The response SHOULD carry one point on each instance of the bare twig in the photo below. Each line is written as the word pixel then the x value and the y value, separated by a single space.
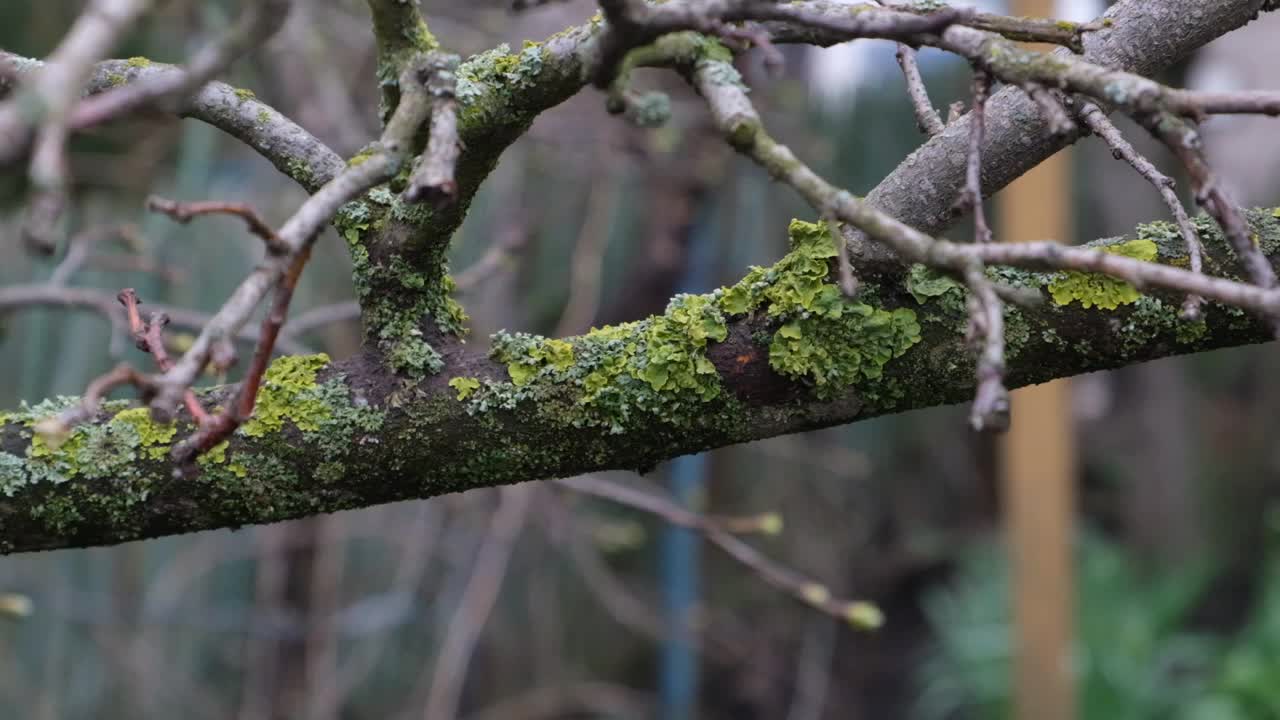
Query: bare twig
pixel 258 22
pixel 40 110
pixel 990 410
pixel 476 603
pixel 860 614
pixel 927 118
pixel 433 180
pixel 1183 139
pixel 215 430
pixel 1097 122
pixel 971 198
pixel 183 212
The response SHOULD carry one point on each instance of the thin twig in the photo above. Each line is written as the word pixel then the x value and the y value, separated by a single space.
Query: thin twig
pixel 183 212
pixel 860 614
pixel 927 118
pixel 433 181
pixel 476 602
pixel 971 197
pixel 1097 122
pixel 259 20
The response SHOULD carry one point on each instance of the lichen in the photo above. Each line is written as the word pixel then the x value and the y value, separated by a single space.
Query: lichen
pixel 656 368
pixel 822 337
pixel 1097 290
pixel 244 94
pixel 138 62
pixel 465 386
pixel 289 391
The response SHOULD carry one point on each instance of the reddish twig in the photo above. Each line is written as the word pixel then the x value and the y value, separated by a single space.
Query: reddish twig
pixel 184 212
pixel 148 337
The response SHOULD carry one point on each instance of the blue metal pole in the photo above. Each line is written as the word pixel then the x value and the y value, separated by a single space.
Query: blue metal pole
pixel 680 547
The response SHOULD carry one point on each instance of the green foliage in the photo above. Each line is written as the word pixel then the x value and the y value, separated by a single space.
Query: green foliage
pixel 1096 290
pixel 1135 659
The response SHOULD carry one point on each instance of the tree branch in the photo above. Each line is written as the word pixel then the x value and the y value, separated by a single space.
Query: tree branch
pixel 339 436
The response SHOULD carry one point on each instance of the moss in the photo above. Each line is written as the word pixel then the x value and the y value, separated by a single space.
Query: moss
pixel 116 80
pixel 138 62
pixel 264 117
pixel 245 94
pixel 299 170
pixel 1096 290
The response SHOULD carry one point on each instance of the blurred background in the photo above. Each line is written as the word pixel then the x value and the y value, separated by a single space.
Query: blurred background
pixel 540 603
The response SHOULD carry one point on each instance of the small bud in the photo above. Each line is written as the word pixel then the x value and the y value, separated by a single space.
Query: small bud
pixel 52 431
pixel 15 606
pixel 864 615
pixel 815 594
pixel 771 524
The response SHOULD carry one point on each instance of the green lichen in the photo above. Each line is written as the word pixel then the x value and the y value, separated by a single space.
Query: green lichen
pixel 289 391
pixel 244 94
pixel 264 117
pixel 153 438
pixel 823 337
pixel 656 368
pixel 497 69
pixel 1097 290
pixel 465 386
pixel 116 79
pixel 138 62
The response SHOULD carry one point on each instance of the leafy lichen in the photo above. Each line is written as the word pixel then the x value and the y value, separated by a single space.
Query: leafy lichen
pixel 822 337
pixel 1102 291
pixel 289 391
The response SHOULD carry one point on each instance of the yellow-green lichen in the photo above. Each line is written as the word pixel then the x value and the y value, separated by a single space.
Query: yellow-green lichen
pixel 138 62
pixel 244 94
pixel 656 368
pixel 289 392
pixel 153 438
pixel 1097 290
pixel 822 337
pixel 465 386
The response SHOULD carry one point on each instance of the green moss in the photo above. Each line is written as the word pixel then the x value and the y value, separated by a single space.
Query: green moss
pixel 264 117
pixel 116 80
pixel 244 94
pixel 1096 290
pixel 138 62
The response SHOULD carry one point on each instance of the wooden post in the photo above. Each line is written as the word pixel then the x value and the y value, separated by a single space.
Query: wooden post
pixel 1038 471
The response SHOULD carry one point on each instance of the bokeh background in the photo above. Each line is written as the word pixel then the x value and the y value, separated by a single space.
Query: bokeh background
pixel 380 613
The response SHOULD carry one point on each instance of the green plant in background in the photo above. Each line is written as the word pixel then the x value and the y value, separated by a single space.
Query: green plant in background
pixel 1135 658
pixel 1246 684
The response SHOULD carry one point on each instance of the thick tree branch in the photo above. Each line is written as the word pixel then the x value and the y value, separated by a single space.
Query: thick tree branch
pixel 294 151
pixel 350 435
